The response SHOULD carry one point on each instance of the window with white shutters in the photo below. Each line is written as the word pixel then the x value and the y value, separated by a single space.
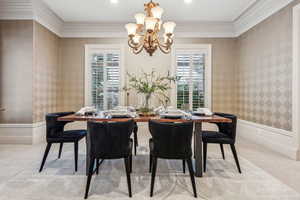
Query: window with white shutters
pixel 105 80
pixel 190 69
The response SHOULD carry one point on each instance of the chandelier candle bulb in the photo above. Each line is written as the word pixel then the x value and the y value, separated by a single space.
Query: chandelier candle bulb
pixel 140 18
pixel 150 23
pixel 131 28
pixel 169 27
pixel 157 12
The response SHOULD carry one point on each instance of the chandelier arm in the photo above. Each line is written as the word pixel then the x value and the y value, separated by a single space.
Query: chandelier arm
pixel 130 44
pixel 165 51
pixel 164 48
pixel 137 51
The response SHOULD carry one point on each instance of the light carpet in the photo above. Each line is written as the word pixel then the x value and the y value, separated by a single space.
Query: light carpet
pixel 20 180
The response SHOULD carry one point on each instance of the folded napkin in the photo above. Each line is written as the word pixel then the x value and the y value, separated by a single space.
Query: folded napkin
pixel 85 110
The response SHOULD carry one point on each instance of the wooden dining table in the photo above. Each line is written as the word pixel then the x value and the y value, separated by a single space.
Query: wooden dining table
pixel 198 120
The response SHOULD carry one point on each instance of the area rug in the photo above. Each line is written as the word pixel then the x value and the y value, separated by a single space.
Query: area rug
pixel 59 182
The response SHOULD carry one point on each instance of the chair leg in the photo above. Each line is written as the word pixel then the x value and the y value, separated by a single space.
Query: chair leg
pixel 76 154
pixel 191 170
pixel 154 166
pixel 204 156
pixel 183 166
pixel 97 166
pixel 60 149
pixel 127 167
pixel 130 163
pixel 235 157
pixel 150 163
pixel 89 178
pixel 135 141
pixel 45 156
pixel 222 150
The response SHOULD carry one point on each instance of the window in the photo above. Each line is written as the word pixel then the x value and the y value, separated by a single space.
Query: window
pixel 192 68
pixel 103 77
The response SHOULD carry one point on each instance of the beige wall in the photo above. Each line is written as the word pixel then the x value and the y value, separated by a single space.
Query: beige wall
pixel 264 72
pixel 46 73
pixel 72 64
pixel 16 60
pixel 29 72
pixel 252 74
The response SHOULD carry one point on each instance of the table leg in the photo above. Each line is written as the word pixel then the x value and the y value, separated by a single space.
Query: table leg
pixel 87 158
pixel 198 150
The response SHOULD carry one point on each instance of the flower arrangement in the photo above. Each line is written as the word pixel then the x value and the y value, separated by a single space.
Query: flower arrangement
pixel 150 84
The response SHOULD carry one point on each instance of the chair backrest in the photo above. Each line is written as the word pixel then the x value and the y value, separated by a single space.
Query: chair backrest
pixel 171 140
pixel 228 128
pixel 109 139
pixel 55 128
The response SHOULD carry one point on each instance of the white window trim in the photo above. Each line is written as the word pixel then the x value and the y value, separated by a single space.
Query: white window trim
pixel 207 50
pixel 91 48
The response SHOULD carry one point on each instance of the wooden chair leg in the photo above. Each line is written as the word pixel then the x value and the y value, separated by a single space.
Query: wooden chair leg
pixel 235 157
pixel 60 149
pixel 150 163
pixel 89 178
pixel 222 150
pixel 204 156
pixel 76 154
pixel 45 156
pixel 191 170
pixel 154 166
pixel 183 166
pixel 127 167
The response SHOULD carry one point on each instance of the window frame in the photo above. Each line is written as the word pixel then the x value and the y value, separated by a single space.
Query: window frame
pixel 95 48
pixel 194 48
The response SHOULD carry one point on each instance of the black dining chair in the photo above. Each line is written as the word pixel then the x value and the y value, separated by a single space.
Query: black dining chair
pixel 171 141
pixel 55 134
pixel 135 130
pixel 225 135
pixel 109 140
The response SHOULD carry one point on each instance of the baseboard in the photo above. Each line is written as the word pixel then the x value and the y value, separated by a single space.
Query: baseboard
pixel 278 140
pixel 22 133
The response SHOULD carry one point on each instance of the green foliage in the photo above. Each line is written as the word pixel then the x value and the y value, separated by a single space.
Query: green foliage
pixel 151 84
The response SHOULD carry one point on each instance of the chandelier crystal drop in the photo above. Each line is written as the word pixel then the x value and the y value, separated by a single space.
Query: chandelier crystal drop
pixel 144 34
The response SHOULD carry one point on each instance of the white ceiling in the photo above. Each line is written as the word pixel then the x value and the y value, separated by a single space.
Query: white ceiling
pixel 176 10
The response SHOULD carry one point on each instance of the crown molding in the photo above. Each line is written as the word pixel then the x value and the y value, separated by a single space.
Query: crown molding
pixel 39 11
pixel 260 11
pixel 31 10
pixel 16 9
pixel 194 29
pixel 45 16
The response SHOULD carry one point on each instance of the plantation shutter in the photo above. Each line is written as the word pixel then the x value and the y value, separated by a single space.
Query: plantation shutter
pixel 105 80
pixel 190 69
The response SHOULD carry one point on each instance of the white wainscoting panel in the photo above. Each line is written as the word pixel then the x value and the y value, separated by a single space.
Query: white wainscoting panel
pixel 278 140
pixel 23 133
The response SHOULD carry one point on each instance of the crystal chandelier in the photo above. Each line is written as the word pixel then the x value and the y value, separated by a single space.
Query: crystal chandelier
pixel 145 33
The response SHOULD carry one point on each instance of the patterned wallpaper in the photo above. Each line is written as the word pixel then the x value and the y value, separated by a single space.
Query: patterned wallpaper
pixel 251 73
pixel 46 73
pixel 264 72
pixel 16 39
pixel 72 64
